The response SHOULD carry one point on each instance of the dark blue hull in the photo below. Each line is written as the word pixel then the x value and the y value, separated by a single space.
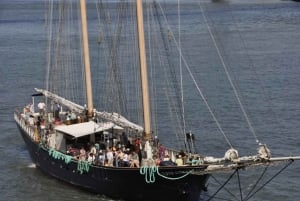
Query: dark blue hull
pixel 116 182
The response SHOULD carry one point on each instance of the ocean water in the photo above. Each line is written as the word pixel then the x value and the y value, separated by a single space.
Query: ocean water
pixel 260 43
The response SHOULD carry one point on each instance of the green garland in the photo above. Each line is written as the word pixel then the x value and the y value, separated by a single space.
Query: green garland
pixel 60 156
pixel 149 173
pixel 83 166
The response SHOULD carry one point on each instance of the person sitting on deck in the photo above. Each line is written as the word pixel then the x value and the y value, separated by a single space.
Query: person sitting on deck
pixel 134 162
pixel 125 160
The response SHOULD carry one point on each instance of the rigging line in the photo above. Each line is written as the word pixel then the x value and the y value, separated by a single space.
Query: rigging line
pixel 167 48
pixel 239 180
pixel 135 69
pixel 256 183
pixel 267 182
pixel 220 188
pixel 230 193
pixel 99 45
pixel 152 70
pixel 174 108
pixel 228 75
pixel 181 76
pixel 174 83
pixel 106 54
pixel 70 59
pixel 117 70
pixel 267 97
pixel 171 106
pixel 82 61
pixel 49 45
pixel 198 88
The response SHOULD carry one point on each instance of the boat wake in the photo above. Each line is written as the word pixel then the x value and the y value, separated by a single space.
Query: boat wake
pixel 31 165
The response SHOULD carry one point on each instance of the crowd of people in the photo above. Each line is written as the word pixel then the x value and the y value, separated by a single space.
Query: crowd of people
pixel 112 156
pixel 130 156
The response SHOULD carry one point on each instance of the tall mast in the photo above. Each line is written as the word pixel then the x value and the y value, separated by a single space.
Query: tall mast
pixel 143 69
pixel 86 53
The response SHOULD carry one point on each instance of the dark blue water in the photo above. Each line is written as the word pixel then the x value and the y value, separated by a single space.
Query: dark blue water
pixel 260 43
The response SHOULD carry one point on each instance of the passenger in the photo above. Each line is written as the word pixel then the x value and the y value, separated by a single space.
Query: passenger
pixel 123 139
pixel 179 160
pixel 156 141
pixel 91 158
pixel 157 160
pixel 134 162
pixel 138 143
pixel 106 162
pixel 117 158
pixel 183 156
pixel 126 162
pixel 82 154
pixel 42 107
pixel 56 112
pixel 110 157
pixel 101 158
pixel 161 152
pixel 38 124
pixel 93 150
pixel 148 150
pixel 72 151
pixel 167 158
pixel 73 115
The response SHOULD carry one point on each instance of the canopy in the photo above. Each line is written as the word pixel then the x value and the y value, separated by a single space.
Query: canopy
pixel 86 128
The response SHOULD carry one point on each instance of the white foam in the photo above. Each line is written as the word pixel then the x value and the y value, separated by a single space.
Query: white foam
pixel 31 165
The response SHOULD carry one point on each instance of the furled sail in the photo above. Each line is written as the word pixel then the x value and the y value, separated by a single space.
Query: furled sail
pixel 113 117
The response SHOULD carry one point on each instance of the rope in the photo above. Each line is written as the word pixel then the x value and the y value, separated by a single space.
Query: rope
pixel 175 99
pixel 181 75
pixel 223 186
pixel 259 179
pixel 228 75
pixel 239 181
pixel 83 166
pixel 149 173
pixel 198 88
pixel 267 182
pixel 225 189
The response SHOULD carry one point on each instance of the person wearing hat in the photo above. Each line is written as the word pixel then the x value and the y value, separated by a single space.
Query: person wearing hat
pixel 179 160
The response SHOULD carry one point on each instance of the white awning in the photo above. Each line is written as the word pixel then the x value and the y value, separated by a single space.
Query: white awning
pixel 86 128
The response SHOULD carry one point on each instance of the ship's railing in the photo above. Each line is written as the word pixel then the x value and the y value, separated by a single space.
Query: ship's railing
pixel 25 125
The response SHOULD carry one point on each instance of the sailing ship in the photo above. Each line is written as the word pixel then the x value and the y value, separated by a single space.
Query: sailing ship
pixel 97 150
